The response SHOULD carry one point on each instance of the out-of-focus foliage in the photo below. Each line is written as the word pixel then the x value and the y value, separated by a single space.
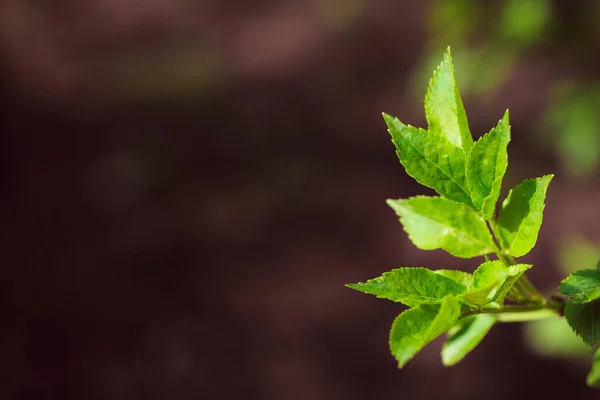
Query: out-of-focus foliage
pixel 508 29
pixel 577 253
pixel 553 337
pixel 573 124
pixel 490 40
pixel 524 21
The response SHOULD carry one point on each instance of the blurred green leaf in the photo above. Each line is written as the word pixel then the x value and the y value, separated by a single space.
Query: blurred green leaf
pixel 577 253
pixel 573 122
pixel 552 337
pixel 593 378
pixel 525 20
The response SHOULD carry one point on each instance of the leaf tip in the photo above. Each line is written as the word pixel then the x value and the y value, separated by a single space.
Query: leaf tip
pixel 448 53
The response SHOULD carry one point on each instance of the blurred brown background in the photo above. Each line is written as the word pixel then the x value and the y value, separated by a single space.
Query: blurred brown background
pixel 189 184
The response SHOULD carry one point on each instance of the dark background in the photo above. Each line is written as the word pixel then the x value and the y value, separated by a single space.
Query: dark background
pixel 187 186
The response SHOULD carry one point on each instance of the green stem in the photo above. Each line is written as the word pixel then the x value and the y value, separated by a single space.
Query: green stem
pixel 522 313
pixel 527 291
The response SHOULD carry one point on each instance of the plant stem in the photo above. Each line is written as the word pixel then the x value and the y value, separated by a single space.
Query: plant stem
pixel 523 285
pixel 523 313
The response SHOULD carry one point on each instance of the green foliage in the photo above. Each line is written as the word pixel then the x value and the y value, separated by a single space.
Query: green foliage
pixel 583 308
pixel 583 319
pixel 416 327
pixel 521 216
pixel 466 338
pixel 553 337
pixel 525 20
pixel 444 109
pixel 439 223
pixel 593 378
pixel 430 159
pixel 582 286
pixel 487 164
pixel 468 177
pixel 572 123
pixel 491 282
pixel 411 286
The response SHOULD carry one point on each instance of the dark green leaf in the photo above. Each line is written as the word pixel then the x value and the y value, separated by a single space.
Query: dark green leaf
pixel 582 286
pixel 584 319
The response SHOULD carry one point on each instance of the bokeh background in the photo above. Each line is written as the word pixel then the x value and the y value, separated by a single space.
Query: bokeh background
pixel 187 186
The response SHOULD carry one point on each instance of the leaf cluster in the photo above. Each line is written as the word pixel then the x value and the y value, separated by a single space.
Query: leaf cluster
pixel 583 312
pixel 465 221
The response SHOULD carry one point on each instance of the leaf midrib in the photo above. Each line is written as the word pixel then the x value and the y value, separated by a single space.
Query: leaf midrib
pixel 437 166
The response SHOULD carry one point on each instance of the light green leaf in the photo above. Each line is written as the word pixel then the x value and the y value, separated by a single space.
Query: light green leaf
pixel 416 327
pixel 491 281
pixel 439 223
pixel 593 378
pixel 487 164
pixel 430 159
pixel 521 216
pixel 584 319
pixel 444 108
pixel 514 273
pixel 410 286
pixel 461 277
pixel 582 286
pixel 467 338
pixel 487 279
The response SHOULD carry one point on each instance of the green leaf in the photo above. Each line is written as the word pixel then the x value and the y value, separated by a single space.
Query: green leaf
pixel 487 279
pixel 461 277
pixel 514 273
pixel 467 338
pixel 487 164
pixel 582 286
pixel 593 378
pixel 491 281
pixel 439 223
pixel 430 159
pixel 410 286
pixel 521 216
pixel 444 109
pixel 416 327
pixel 584 319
